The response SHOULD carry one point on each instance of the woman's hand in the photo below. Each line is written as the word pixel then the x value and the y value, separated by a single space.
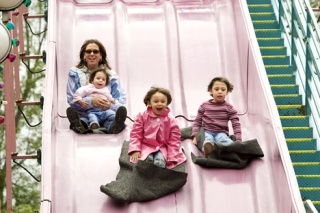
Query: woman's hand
pixel 134 157
pixel 194 141
pixel 98 102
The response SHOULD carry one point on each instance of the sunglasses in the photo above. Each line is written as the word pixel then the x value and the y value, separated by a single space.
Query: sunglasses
pixel 92 51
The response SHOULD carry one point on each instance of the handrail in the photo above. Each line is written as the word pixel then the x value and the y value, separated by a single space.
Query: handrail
pixel 302 37
pixel 310 208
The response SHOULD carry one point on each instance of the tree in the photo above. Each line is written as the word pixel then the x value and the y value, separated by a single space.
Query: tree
pixel 315 4
pixel 26 189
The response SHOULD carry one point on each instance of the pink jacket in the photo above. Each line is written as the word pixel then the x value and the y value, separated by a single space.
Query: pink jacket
pixel 151 133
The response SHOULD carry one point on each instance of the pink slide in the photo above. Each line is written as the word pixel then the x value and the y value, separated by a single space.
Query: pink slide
pixel 180 45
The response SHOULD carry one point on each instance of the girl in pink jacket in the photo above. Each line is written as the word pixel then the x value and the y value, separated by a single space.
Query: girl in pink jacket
pixel 155 135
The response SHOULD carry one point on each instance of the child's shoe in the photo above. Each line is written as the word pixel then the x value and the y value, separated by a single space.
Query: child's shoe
pixel 94 125
pixel 208 149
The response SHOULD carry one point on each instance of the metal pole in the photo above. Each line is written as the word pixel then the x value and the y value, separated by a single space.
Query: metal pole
pixel 308 68
pixel 10 130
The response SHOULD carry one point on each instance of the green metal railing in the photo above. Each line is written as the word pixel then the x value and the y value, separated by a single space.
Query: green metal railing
pixel 302 37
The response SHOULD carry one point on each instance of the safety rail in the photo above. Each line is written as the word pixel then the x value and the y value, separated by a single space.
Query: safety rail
pixel 301 34
pixel 310 207
pixel 302 37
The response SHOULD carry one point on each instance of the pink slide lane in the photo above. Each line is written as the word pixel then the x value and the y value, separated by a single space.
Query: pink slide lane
pixel 180 45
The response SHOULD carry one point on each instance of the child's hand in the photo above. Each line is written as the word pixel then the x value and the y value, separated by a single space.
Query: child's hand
pixel 194 141
pixel 135 157
pixel 83 104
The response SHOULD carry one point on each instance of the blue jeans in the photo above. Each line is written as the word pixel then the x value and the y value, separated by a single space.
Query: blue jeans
pixel 158 159
pixel 219 137
pixel 104 118
pixel 100 116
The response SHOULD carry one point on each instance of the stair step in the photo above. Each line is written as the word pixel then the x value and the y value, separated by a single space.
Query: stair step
pixel 301 144
pixel 273 50
pixel 291 121
pixel 308 180
pixel 270 42
pixel 305 168
pixel 267 33
pixel 284 88
pixel 281 79
pixel 263 16
pixel 298 132
pixel 280 69
pixel 291 110
pixel 259 2
pixel 304 155
pixel 276 60
pixel 257 8
pixel 312 193
pixel 288 99
pixel 265 24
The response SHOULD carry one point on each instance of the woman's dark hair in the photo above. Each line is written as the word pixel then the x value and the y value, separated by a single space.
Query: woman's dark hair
pixel 104 60
pixel 221 79
pixel 93 74
pixel 155 89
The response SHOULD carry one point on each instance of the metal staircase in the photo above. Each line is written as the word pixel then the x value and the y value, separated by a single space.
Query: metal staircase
pixel 293 113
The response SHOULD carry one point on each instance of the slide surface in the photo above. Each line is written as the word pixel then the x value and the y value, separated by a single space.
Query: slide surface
pixel 180 45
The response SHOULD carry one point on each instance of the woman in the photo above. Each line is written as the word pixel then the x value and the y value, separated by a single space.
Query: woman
pixel 93 56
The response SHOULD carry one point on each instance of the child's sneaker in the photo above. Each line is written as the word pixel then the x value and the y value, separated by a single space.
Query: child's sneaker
pixel 208 149
pixel 118 124
pixel 74 120
pixel 94 125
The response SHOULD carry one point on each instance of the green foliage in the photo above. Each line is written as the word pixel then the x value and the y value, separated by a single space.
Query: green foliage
pixel 23 208
pixel 315 4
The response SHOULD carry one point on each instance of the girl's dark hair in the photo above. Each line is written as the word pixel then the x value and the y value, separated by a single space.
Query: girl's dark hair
pixel 155 89
pixel 104 60
pixel 93 74
pixel 221 79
